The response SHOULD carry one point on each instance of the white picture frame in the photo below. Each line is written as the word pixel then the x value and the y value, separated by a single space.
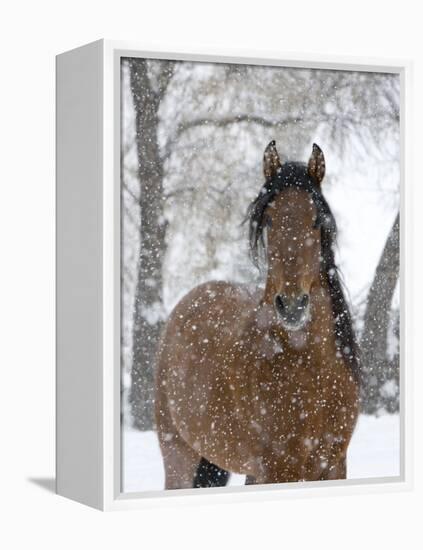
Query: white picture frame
pixel 88 279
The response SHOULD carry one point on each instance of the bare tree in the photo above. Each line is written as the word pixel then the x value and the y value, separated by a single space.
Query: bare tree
pixel 148 89
pixel 376 367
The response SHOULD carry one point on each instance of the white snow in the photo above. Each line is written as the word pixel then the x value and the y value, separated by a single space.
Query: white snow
pixel 375 447
pixel 374 452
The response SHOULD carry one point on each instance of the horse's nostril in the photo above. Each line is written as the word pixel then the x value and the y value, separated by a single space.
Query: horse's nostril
pixel 304 300
pixel 280 301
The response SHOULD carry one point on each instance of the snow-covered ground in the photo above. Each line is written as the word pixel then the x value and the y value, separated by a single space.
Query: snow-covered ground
pixel 374 452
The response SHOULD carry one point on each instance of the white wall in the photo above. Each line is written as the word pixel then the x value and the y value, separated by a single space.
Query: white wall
pixel 32 33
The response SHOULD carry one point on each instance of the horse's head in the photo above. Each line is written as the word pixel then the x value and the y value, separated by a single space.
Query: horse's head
pixel 287 218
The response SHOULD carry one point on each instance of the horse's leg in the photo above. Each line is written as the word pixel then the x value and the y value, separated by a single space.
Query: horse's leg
pixel 331 461
pixel 184 468
pixel 337 463
pixel 287 468
pixel 250 480
pixel 180 461
pixel 210 475
pixel 180 464
pixel 335 469
pixel 278 470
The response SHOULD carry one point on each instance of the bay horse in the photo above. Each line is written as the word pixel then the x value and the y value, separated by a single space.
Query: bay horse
pixel 264 383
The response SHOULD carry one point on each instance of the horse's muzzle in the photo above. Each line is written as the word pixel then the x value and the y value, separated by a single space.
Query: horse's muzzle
pixel 293 311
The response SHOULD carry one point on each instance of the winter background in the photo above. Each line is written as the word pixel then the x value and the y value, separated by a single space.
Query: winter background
pixel 193 136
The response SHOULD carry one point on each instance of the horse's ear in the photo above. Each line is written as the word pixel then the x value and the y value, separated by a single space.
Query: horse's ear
pixel 271 161
pixel 316 164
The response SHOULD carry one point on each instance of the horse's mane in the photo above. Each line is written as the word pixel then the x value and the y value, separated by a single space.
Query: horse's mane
pixel 295 175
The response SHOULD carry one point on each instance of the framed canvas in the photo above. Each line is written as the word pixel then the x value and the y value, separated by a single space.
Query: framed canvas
pixel 233 276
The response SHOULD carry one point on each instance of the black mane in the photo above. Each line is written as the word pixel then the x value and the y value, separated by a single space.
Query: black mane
pixel 295 175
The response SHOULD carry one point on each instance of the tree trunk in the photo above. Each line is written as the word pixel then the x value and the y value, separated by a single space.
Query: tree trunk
pixel 148 308
pixel 375 365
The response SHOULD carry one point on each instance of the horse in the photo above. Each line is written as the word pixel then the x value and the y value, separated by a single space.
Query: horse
pixel 264 383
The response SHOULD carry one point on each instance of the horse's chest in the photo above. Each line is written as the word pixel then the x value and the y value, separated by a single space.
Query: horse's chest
pixel 303 402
